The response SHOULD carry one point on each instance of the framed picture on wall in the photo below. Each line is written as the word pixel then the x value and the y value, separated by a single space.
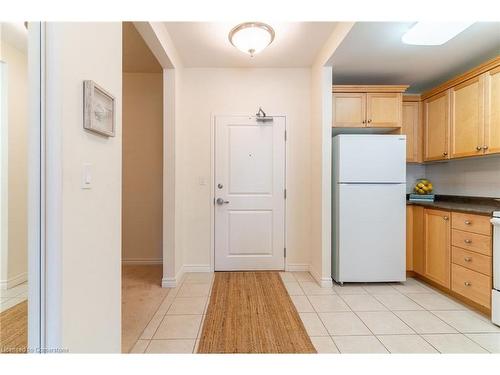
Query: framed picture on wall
pixel 98 109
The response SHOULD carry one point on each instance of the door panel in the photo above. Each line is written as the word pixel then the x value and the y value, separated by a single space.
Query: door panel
pixel 492 113
pixel 410 129
pixel 467 118
pixel 369 158
pixel 437 127
pixel 437 246
pixel 383 110
pixel 349 110
pixel 250 181
pixel 371 244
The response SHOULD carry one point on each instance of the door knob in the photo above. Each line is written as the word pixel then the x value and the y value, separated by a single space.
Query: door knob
pixel 221 201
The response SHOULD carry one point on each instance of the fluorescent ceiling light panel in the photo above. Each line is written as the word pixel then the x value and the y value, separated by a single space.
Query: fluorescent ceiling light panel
pixel 433 33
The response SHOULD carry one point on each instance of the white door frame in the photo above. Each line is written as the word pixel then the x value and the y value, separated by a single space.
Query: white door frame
pixel 212 183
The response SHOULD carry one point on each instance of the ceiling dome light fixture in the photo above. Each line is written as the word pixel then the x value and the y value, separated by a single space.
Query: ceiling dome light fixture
pixel 251 37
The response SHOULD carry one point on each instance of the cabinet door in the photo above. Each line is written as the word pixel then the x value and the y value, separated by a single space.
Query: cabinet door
pixel 492 112
pixel 418 240
pixel 384 110
pixel 467 118
pixel 436 127
pixel 409 238
pixel 349 110
pixel 437 246
pixel 410 128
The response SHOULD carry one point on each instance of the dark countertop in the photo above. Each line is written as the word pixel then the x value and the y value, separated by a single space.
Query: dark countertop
pixel 474 205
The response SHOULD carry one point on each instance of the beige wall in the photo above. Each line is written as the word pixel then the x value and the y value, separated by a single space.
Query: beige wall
pixel 209 91
pixel 83 226
pixel 142 167
pixel 15 258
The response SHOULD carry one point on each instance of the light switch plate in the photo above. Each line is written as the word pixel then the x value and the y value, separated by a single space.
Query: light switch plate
pixel 87 176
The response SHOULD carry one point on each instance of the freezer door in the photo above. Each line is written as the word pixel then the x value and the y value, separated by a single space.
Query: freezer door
pixel 370 158
pixel 371 233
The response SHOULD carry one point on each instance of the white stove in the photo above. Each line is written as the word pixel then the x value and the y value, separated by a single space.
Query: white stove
pixel 495 293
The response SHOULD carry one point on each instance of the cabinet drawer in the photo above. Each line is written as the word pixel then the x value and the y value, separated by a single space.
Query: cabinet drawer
pixel 471 223
pixel 471 260
pixel 471 241
pixel 470 284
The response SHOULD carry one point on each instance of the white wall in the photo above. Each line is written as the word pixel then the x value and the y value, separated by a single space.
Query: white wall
pixel 472 177
pixel 14 257
pixel 205 92
pixel 83 226
pixel 321 156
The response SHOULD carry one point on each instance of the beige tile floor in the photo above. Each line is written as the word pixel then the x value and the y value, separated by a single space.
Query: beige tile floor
pixel 408 317
pixel 13 296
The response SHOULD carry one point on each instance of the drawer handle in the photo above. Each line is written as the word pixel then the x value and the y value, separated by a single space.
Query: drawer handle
pixel 467 222
pixel 467 283
pixel 468 241
pixel 468 259
pixel 445 217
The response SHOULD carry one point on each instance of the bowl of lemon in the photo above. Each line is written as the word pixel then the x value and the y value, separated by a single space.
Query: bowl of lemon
pixel 423 187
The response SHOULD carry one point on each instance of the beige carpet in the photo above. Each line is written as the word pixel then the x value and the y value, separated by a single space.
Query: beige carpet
pixel 251 312
pixel 142 295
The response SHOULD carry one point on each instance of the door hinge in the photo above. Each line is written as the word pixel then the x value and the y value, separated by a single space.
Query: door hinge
pixel 284 251
pixel 285 136
pixel 284 193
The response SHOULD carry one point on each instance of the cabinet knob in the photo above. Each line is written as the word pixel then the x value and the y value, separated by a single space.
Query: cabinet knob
pixel 467 283
pixel 485 147
pixel 445 153
pixel 468 259
pixel 364 121
pixel 479 148
pixel 468 241
pixel 467 222
pixel 445 217
pixel 369 121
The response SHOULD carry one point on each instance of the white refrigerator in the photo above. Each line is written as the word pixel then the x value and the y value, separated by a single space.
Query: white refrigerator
pixel 369 208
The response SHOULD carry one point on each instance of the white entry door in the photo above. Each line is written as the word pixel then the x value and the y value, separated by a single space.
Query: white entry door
pixel 249 193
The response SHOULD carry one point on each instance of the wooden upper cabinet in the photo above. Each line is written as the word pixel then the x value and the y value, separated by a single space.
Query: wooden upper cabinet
pixel 410 126
pixel 436 127
pixel 492 111
pixel 384 110
pixel 349 110
pixel 377 106
pixel 437 257
pixel 467 118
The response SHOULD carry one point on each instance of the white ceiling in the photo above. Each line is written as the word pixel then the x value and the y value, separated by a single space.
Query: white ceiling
pixel 372 53
pixel 206 44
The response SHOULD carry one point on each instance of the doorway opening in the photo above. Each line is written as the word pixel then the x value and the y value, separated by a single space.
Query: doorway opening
pixel 142 186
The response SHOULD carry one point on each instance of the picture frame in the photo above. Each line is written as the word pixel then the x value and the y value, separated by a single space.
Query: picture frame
pixel 98 109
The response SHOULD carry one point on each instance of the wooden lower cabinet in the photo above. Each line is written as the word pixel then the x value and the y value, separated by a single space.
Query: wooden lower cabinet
pixel 458 261
pixel 471 284
pixel 437 246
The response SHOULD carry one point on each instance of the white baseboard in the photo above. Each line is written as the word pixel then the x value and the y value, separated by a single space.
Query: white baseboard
pixel 196 268
pixel 13 281
pixel 172 282
pixel 324 282
pixel 141 261
pixel 297 267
